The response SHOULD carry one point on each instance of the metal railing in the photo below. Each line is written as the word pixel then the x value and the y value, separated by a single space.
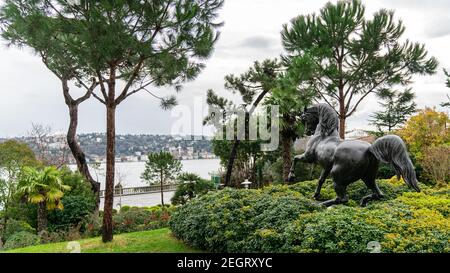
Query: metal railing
pixel 140 190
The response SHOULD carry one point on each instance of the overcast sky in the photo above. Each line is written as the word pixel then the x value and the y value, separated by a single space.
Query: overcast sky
pixel 31 94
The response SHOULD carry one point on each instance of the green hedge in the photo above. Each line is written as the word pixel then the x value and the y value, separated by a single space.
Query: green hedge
pixel 285 219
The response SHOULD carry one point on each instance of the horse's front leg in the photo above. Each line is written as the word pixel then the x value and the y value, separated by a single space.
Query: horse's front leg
pixel 298 158
pixel 323 176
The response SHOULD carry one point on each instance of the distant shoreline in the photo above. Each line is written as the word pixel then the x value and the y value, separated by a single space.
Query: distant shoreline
pixel 189 159
pixel 130 171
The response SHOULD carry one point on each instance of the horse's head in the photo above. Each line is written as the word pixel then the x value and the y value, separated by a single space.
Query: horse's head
pixel 310 117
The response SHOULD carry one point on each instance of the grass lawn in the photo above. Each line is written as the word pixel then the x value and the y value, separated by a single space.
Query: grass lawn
pixel 153 241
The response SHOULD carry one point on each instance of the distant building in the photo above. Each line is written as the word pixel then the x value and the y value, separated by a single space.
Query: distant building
pixel 359 134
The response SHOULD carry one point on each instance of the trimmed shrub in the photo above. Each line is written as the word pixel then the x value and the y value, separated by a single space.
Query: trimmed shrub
pixel 76 208
pixel 223 221
pixel 22 239
pixel 338 229
pixel 124 209
pixel 187 191
pixel 284 219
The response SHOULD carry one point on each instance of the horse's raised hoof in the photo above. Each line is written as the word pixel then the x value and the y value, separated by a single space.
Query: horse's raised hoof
pixel 336 201
pixel 291 178
pixel 365 200
pixel 328 203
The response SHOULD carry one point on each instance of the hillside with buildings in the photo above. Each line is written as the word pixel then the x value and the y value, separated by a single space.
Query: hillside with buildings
pixel 129 148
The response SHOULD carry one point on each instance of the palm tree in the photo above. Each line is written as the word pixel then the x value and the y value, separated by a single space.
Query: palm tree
pixel 291 100
pixel 44 188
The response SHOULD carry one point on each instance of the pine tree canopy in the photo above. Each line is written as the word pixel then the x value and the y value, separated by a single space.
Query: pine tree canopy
pixel 143 43
pixel 354 56
pixel 396 108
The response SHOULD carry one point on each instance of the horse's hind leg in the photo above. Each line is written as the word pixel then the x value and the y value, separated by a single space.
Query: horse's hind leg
pixel 341 192
pixel 376 192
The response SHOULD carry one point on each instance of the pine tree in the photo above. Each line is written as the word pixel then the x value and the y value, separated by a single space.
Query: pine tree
pixel 291 99
pixel 252 86
pixel 128 46
pixel 161 168
pixel 354 56
pixel 49 42
pixel 397 107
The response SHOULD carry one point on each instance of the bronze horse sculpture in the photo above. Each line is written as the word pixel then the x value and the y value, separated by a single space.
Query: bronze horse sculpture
pixel 347 161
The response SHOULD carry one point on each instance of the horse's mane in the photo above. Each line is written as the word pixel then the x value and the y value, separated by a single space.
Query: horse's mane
pixel 328 120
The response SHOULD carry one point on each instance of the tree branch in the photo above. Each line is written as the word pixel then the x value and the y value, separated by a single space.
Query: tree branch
pixel 136 70
pixel 323 96
pixel 358 102
pixel 142 59
pixel 98 98
pixel 373 88
pixel 102 85
pixel 89 91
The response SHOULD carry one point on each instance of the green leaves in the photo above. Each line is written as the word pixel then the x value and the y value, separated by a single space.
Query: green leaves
pixel 258 78
pixel 397 107
pixel 41 186
pixel 13 156
pixel 161 167
pixel 36 198
pixel 191 186
pixel 351 56
pixel 168 103
pixel 160 42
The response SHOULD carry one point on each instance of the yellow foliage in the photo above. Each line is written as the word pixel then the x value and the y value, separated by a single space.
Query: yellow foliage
pixel 394 181
pixel 424 201
pixel 428 128
pixel 265 233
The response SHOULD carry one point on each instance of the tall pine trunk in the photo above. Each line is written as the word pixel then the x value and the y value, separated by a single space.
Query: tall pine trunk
pixel 342 127
pixel 110 159
pixel 162 193
pixel 42 217
pixel 287 156
pixel 78 153
pixel 230 164
pixel 342 114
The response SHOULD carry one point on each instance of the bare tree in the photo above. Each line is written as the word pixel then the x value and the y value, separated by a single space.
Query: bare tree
pixel 49 148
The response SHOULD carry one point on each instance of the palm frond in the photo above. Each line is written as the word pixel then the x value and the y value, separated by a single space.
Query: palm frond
pixel 36 198
pixel 54 195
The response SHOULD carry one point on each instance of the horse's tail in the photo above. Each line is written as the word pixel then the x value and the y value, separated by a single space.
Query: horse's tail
pixel 391 149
